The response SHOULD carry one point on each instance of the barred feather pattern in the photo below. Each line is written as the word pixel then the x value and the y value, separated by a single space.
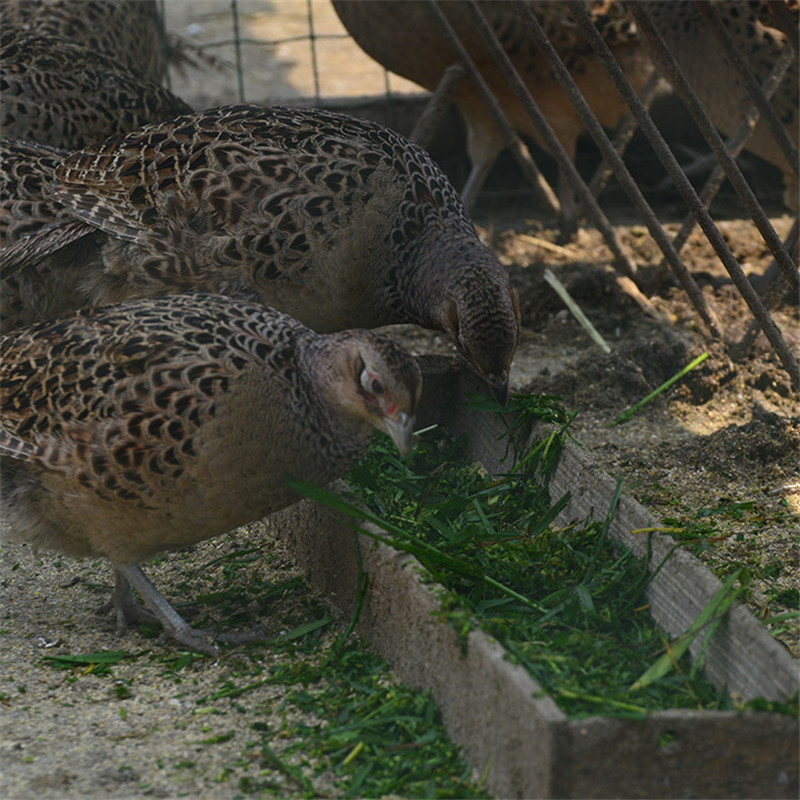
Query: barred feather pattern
pixel 339 222
pixel 63 93
pixel 130 32
pixel 143 427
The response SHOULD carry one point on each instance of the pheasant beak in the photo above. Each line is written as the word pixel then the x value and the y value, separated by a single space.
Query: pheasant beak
pixel 499 389
pixel 400 427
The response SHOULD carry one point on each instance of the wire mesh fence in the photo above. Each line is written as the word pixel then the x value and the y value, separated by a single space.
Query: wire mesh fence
pixel 273 51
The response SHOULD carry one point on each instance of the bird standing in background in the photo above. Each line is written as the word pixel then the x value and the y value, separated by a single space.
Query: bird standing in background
pixel 401 35
pixel 337 221
pixel 131 430
pixel 752 30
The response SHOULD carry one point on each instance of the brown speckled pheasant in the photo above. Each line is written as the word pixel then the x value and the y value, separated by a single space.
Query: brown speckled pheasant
pixel 403 37
pixel 65 94
pixel 129 32
pixel 337 221
pixel 135 429
pixel 752 30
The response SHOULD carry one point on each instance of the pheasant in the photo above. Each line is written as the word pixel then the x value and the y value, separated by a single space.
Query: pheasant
pixel 66 94
pixel 135 429
pixel 129 32
pixel 402 36
pixel 753 32
pixel 337 221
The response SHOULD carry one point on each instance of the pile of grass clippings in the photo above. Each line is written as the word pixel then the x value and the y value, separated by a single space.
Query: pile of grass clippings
pixel 374 736
pixel 345 723
pixel 568 604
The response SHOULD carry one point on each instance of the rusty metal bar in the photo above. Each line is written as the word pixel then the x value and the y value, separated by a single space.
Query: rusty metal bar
pixel 785 22
pixel 312 43
pixel 165 45
pixel 551 140
pixel 735 145
pixel 664 154
pixel 237 45
pixel 513 142
pixel 623 136
pixel 707 12
pixel 597 133
pixel 679 82
pixel 774 287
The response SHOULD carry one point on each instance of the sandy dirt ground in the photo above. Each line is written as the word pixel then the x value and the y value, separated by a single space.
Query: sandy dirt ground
pixel 728 435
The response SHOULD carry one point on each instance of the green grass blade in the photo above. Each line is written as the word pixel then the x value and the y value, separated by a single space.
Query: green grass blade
pixel 713 612
pixel 626 415
pixel 306 627
pixel 293 773
pixel 576 311
pixel 744 579
pixel 103 657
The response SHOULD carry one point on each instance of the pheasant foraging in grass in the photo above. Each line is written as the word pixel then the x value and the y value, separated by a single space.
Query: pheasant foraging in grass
pixel 403 37
pixel 337 221
pixel 58 92
pixel 134 429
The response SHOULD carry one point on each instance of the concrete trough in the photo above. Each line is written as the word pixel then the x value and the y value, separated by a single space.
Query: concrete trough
pixel 505 723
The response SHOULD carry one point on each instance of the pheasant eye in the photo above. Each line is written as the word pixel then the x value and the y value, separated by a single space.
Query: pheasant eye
pixel 377 387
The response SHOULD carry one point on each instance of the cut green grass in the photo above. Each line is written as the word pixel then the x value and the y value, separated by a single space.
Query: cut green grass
pixel 377 738
pixel 628 415
pixel 724 527
pixel 707 621
pixel 98 663
pixel 566 603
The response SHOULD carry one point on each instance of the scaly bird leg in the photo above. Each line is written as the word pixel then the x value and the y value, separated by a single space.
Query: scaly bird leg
pixel 175 627
pixel 126 607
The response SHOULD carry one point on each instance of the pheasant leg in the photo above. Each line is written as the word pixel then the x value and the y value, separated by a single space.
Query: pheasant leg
pixel 175 627
pixel 126 608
